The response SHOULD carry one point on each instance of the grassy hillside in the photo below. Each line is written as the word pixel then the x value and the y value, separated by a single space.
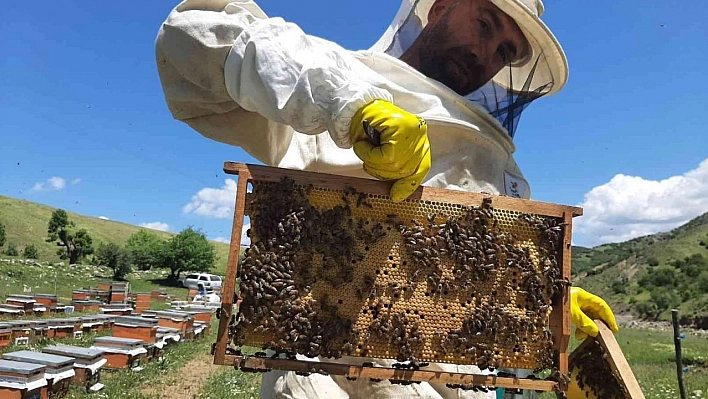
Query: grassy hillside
pixel 630 275
pixel 26 223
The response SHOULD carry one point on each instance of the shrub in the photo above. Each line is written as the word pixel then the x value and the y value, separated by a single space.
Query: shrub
pixel 11 250
pixel 30 252
pixel 653 261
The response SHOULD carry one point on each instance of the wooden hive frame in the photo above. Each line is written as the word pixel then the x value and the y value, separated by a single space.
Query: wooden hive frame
pixel 559 320
pixel 614 359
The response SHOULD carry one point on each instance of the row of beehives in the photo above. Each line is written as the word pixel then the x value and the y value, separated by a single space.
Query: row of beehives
pixel 136 339
pixel 114 299
pixel 83 300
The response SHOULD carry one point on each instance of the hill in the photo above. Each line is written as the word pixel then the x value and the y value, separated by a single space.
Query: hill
pixel 649 275
pixel 26 223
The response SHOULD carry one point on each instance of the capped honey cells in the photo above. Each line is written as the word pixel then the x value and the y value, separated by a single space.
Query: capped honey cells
pixel 333 273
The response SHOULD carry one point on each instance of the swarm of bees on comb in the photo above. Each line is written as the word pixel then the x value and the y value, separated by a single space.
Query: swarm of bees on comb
pixel 594 374
pixel 340 273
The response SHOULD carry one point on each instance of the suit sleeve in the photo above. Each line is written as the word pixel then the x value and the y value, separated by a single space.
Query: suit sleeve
pixel 230 54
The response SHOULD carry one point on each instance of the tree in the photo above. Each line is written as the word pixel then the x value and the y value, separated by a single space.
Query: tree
pixel 117 258
pixel 2 234
pixel 30 252
pixel 188 250
pixel 145 249
pixel 75 244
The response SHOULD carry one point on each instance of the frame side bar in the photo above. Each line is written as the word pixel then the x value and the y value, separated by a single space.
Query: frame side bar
pixel 227 296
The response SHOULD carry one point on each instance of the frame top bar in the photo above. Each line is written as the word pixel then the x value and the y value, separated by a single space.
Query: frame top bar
pixel 377 187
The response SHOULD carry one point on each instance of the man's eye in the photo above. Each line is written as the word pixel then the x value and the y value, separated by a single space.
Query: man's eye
pixel 507 53
pixel 484 26
pixel 503 54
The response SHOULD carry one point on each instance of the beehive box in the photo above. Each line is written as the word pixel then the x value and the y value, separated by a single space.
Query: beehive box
pixel 88 305
pixel 168 335
pixel 22 332
pixel 81 295
pixel 120 353
pixel 5 335
pixel 59 370
pixel 48 300
pixel 25 301
pixel 119 309
pixel 336 269
pixel 107 321
pixel 63 328
pixel 87 363
pixel 91 323
pixel 20 380
pixel 182 321
pixel 11 310
pixel 142 302
pixel 136 327
pixel 40 328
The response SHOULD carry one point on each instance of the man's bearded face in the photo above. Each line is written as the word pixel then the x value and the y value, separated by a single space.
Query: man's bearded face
pixel 468 42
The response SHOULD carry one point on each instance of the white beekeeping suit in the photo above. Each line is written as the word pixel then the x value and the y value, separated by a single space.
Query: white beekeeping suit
pixel 237 76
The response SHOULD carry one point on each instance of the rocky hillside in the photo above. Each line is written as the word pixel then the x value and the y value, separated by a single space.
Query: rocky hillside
pixel 649 275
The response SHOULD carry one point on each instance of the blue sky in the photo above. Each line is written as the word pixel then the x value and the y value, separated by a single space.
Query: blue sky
pixel 84 126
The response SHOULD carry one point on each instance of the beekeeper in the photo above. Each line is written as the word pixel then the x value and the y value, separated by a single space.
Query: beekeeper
pixel 436 101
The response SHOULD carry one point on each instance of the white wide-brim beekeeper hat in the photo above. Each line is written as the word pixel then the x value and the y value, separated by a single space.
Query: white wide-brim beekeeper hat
pixel 545 67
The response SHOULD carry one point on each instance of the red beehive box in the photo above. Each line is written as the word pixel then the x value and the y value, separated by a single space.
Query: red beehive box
pixel 87 363
pixel 117 309
pixel 182 321
pixel 134 327
pixel 62 328
pixel 58 369
pixel 25 301
pixel 5 335
pixel 121 353
pixel 22 333
pixel 20 380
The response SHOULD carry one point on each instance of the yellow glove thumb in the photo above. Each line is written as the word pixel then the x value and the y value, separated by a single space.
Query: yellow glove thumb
pixel 403 188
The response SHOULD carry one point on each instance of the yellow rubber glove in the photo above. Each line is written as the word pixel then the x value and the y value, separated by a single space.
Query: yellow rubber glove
pixel 403 153
pixel 584 307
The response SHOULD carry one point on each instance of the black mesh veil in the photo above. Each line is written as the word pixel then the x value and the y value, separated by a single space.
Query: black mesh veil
pixel 506 105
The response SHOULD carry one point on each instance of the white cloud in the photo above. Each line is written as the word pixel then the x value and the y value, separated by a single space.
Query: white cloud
pixel 221 239
pixel 631 206
pixel 52 184
pixel 76 181
pixel 156 226
pixel 214 202
pixel 103 218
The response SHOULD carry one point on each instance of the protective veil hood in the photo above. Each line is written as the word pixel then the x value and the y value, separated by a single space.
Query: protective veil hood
pixel 544 72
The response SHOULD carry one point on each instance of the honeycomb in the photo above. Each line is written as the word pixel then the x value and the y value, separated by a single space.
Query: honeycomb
pixel 335 273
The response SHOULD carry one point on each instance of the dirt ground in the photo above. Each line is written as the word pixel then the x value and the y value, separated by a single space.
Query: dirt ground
pixel 185 382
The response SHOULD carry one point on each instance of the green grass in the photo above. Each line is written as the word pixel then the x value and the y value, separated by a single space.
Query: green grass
pixel 231 384
pixel 26 223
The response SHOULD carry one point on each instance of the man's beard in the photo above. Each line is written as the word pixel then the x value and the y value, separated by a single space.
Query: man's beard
pixel 456 67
